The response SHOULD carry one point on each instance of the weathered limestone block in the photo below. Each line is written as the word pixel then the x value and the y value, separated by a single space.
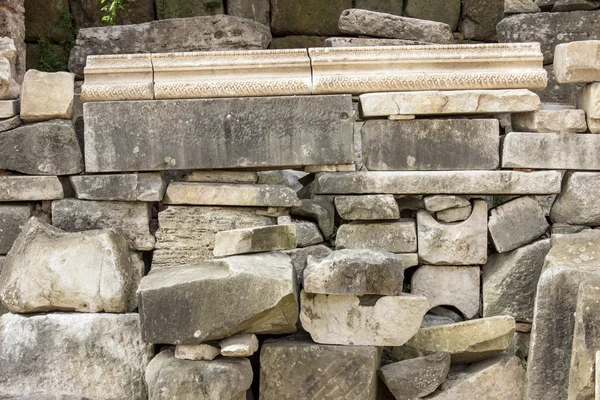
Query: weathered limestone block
pixel 28 188
pixel 51 270
pixel 370 23
pixel 479 19
pixel 363 41
pixel 447 12
pixel 440 182
pixel 239 345
pixel 517 223
pixel 216 176
pixel 578 61
pixel 300 258
pixel 551 151
pixel 9 88
pixel 170 378
pixel 355 272
pixel 449 286
pixel 46 148
pixel 417 377
pixel 435 144
pixel 242 141
pixel 47 96
pixel 394 237
pixel 510 281
pixel 557 121
pixel 374 207
pixel 9 108
pixel 88 13
pixel 12 218
pixel 467 342
pixel 67 348
pixel 589 101
pixel 256 10
pixel 578 202
pixel 255 240
pixel 220 32
pixel 575 5
pixel 520 6
pixel 10 123
pixel 307 17
pixel 244 294
pixel 444 202
pixel 119 187
pixel 12 25
pixel 321 210
pixel 550 29
pixel 133 219
pixel 166 9
pixel 219 194
pixel 196 352
pixel 499 378
pixel 454 214
pixel 294 369
pixel 463 243
pixel 384 6
pixel 448 102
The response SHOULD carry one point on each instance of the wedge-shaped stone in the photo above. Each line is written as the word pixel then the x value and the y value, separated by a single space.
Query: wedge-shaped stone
pixel 355 272
pixel 220 194
pixel 47 96
pixel 243 140
pixel 12 218
pixel 439 182
pixel 589 101
pixel 170 378
pixel 578 202
pixel 67 348
pixel 454 214
pixel 392 68
pixel 373 42
pixel 295 369
pixel 362 321
pixel 51 270
pixel 255 240
pixel 577 61
pixel 300 257
pixel 510 281
pixel 9 108
pixel 28 188
pixel 119 187
pixel 133 219
pixel 551 151
pixel 197 352
pixel 435 144
pixel 307 232
pixel 374 207
pixel 467 342
pixel 445 202
pixel 463 243
pixel 449 286
pixel 118 78
pixel 448 102
pixel 216 299
pixel 557 121
pixel 395 237
pixel 239 345
pixel 231 74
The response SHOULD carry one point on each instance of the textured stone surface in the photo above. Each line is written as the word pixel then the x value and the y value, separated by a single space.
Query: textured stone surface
pixel 196 352
pixel 436 144
pixel 216 299
pixel 292 369
pixel 170 378
pixel 375 207
pixel 510 281
pixel 551 151
pixel 321 210
pixel 217 176
pixel 12 218
pixel 218 194
pixel 558 121
pixel 520 6
pixel 300 258
pixel 578 202
pixel 46 148
pixel 257 10
pixel 255 240
pixel 67 348
pixel 12 25
pixel 454 214
pixel 46 96
pixel 575 5
pixel 119 187
pixel 239 345
pixel 10 123
pixel 463 243
pixel 166 9
pixel 133 219
pixel 26 188
pixel 9 108
pixel 364 41
pixel 444 202
pixel 364 321
pixel 88 13
pixel 559 93
pixel 51 270
pixel 243 141
pixel 589 101
pixel 479 19
pixel 395 237
pixel 577 61
pixel 297 42
pixel 384 6
pixel 444 11
pixel 307 232
pixel 306 17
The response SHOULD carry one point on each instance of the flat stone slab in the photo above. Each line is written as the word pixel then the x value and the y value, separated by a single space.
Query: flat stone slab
pixel 12 217
pixel 243 345
pixel 394 237
pixel 365 41
pixel 543 121
pixel 551 151
pixel 255 240
pixel 577 62
pixel 439 182
pixel 119 187
pixel 10 123
pixel 220 133
pixel 30 188
pixel 448 102
pixel 437 144
pixel 364 208
pixel 578 202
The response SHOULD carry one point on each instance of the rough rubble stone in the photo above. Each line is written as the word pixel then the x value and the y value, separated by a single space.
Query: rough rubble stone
pixel 88 13
pixel 219 298
pixel 520 6
pixel 8 50
pixel 255 240
pixel 133 219
pixel 558 121
pixel 220 32
pixel 77 356
pixel 449 286
pixel 166 9
pixel 364 41
pixel 9 88
pixel 454 214
pixel 467 342
pixel 45 148
pixel 443 202
pixel 355 272
pixel 589 101
pixel 479 19
pixel 306 17
pixel 51 270
pixel 446 11
pixel 566 229
pixel 364 321
pixel 239 345
pixel 395 237
pixel 300 258
pixel 295 369
pixel 416 378
pixel 119 187
pixel 510 281
pixel 575 5
pixel 371 23
pixel 9 108
pixel 517 223
pixel 374 207
pixel 28 188
pixel 170 378
pixel 431 144
pixel 196 352
pixel 47 96
pixel 10 123
pixel 578 202
pixel 321 210
pixel 12 217
pixel 12 28
pixel 256 10
pixel 576 62
pixel 307 233
pixel 463 243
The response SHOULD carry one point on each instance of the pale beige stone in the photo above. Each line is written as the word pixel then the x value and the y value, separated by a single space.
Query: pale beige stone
pixel 520 6
pixel 46 95
pixel 367 41
pixel 9 51
pixel 255 240
pixel 454 214
pixel 9 108
pixel 28 188
pixel 448 102
pixel 444 202
pixel 577 62
pixel 243 345
pixel 395 237
pixel 222 176
pixel 374 207
pixel 589 101
pixel 556 121
pixel 9 88
pixel 196 352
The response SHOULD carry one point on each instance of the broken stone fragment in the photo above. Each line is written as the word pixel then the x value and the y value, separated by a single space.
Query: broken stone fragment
pixel 300 257
pixel 576 61
pixel 578 202
pixel 556 121
pixel 47 95
pixel 394 237
pixel 373 207
pixel 520 6
pixel 307 232
pixel 217 176
pixel 454 214
pixel 119 187
pixel 320 210
pixel 239 345
pixel 575 5
pixel 9 108
pixel 12 217
pixel 589 101
pixel 196 352
pixel 255 240
pixel 444 202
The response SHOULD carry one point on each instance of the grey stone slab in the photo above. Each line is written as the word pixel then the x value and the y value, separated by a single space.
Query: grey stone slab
pixel 578 202
pixel 300 257
pixel 374 207
pixel 255 240
pixel 166 9
pixel 257 10
pixel 321 210
pixel 307 17
pixel 479 18
pixel 435 144
pixel 555 92
pixel 446 11
pixel 12 217
pixel 218 133
pixel 395 237
pixel 365 41
pixel 119 187
pixel 30 188
pixel 10 123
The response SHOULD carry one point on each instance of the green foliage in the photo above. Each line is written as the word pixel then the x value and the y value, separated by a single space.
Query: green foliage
pixel 112 8
pixel 55 56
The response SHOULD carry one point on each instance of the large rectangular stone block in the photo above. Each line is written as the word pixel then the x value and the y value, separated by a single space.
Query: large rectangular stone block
pixel 577 62
pixel 431 144
pixel 264 132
